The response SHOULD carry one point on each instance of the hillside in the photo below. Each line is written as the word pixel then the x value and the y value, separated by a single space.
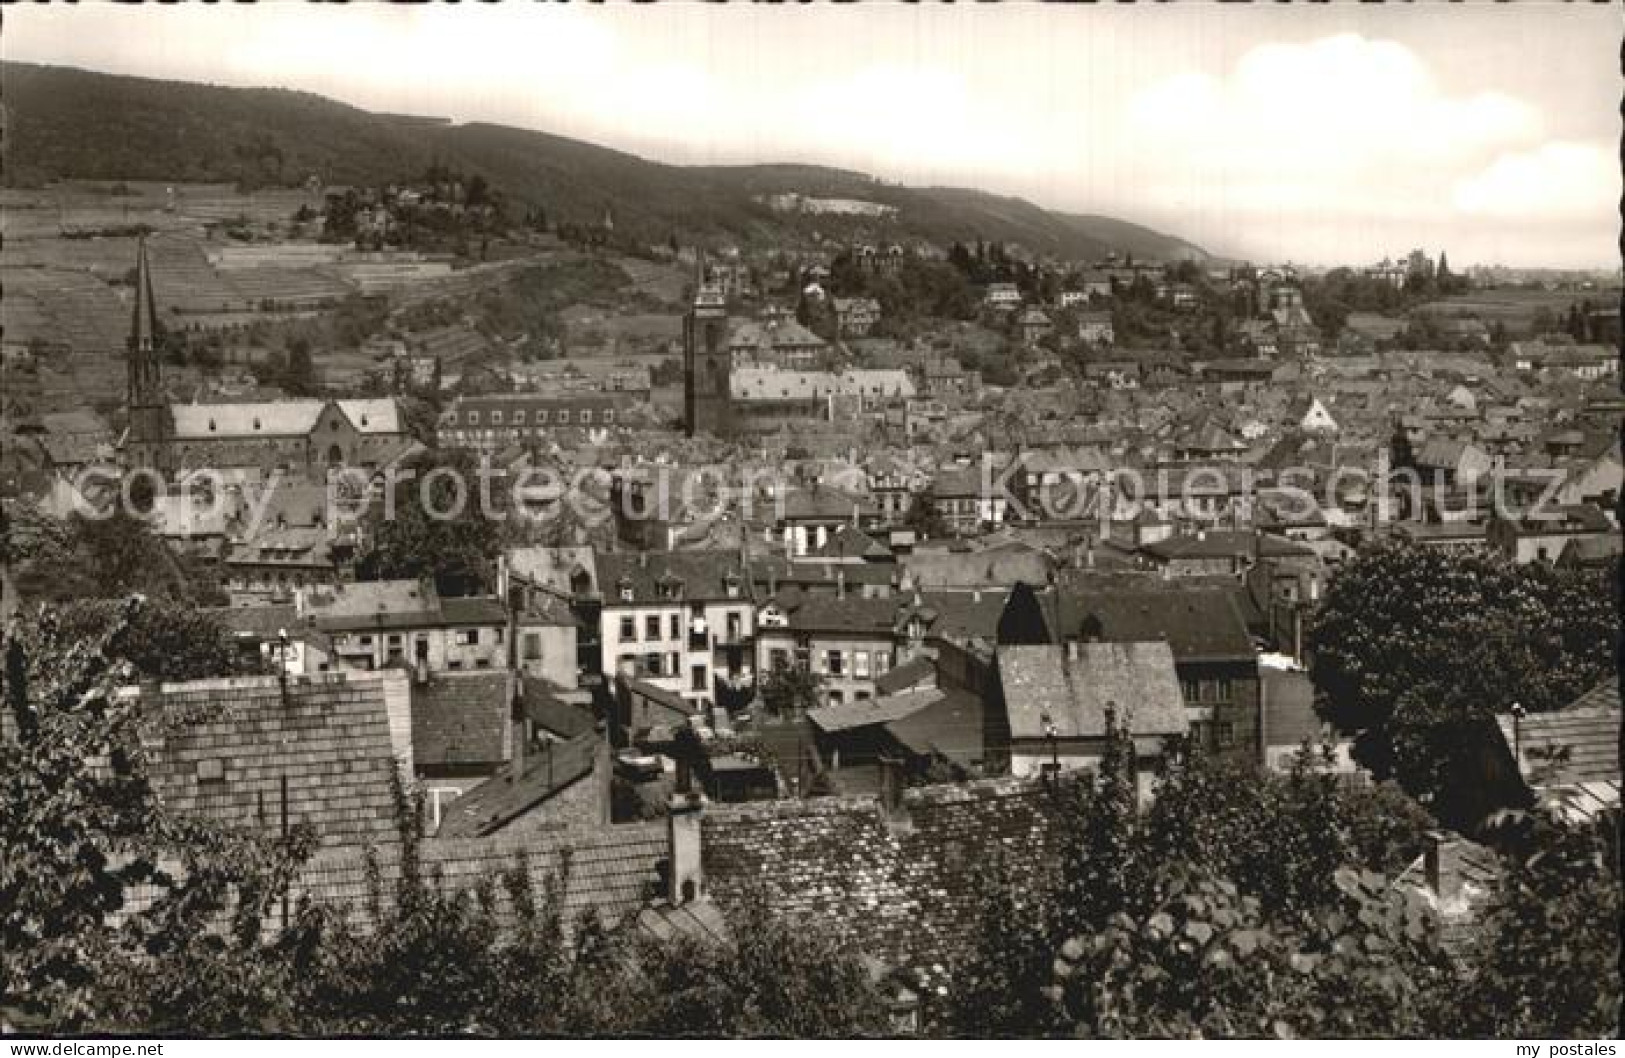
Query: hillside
pixel 64 123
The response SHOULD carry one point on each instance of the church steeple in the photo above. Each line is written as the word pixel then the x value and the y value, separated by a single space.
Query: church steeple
pixel 144 371
pixel 146 445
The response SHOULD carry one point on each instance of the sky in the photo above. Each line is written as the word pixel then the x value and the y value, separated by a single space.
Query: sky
pixel 1330 134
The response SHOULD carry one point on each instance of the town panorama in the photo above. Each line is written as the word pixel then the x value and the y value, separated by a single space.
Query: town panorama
pixel 464 581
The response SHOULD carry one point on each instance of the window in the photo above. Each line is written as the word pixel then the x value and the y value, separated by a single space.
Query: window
pixel 778 659
pixel 673 664
pixel 860 664
pixel 541 416
pixel 482 663
pixel 473 418
pixel 651 626
pixel 497 632
pixel 836 698
pixel 564 416
pixel 837 663
pixel 1190 690
pixel 586 416
pixel 676 624
pixel 366 641
pixel 1224 733
pixel 882 662
pixel 698 681
pixel 609 416
pixel 532 646
pixel 629 629
pixel 861 696
pixel 454 665
pixel 467 637
pixel 651 664
pixel 519 417
pixel 496 418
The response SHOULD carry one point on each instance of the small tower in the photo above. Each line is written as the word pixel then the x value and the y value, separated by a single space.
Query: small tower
pixel 147 443
pixel 707 364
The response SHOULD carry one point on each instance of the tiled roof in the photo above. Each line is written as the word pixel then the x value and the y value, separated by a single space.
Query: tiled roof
pixel 264 622
pixel 845 717
pixel 1198 623
pixel 950 725
pixel 903 895
pixel 221 748
pixel 910 673
pixel 462 718
pixel 1226 543
pixel 991 569
pixel 500 800
pixel 1573 745
pixel 701 574
pixel 612 870
pixel 1076 687
pixel 549 712
pixel 279 418
pixel 854 614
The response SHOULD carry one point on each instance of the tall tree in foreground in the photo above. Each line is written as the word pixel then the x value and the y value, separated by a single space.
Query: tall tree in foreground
pixel 82 828
pixel 1416 650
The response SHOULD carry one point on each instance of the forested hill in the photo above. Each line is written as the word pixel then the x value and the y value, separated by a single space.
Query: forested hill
pixel 64 123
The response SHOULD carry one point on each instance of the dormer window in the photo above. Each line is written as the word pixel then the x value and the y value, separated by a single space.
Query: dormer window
pixel 625 587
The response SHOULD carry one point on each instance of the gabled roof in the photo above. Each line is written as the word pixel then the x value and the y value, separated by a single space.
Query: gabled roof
pixel 1076 686
pixel 911 673
pixel 221 749
pixel 847 716
pixel 1573 745
pixel 462 718
pixel 548 711
pixel 612 871
pixel 702 574
pixel 1198 623
pixel 279 418
pixel 854 615
pixel 521 787
pixel 1226 543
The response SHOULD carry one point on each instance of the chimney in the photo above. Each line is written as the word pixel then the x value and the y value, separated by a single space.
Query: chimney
pixel 1441 859
pixel 605 773
pixel 685 870
pixel 840 584
pixel 891 790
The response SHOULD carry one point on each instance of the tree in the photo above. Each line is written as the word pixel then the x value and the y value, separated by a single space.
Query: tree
pixel 791 689
pixel 1548 960
pixel 82 826
pixel 298 371
pixel 163 640
pixel 924 518
pixel 1416 650
pixel 437 527
pixel 103 556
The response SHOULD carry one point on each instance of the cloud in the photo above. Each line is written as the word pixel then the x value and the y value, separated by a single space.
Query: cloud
pixel 1347 146
pixel 1556 181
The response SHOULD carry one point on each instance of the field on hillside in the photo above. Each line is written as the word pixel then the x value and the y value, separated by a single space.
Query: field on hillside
pixel 1516 308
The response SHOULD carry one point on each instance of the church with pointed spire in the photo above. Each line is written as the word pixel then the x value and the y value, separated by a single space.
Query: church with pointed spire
pixel 247 440
pixel 146 446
